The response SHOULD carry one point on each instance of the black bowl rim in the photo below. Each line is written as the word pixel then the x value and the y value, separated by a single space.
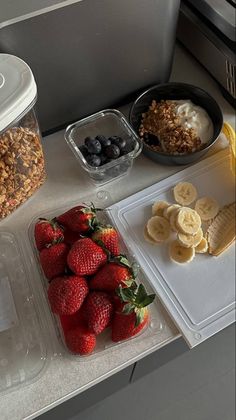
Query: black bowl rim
pixel 180 84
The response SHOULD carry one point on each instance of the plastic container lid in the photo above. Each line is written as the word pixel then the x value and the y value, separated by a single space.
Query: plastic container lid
pixel 23 350
pixel 17 89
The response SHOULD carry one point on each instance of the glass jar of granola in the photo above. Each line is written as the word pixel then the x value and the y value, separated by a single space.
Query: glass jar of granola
pixel 22 169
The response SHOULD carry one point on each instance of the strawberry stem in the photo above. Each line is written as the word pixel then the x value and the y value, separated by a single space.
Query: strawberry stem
pixel 92 207
pixel 136 299
pixel 123 261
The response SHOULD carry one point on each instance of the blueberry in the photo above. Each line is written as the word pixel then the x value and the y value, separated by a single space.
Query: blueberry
pixel 118 141
pixel 93 160
pixel 113 138
pixel 105 141
pixel 112 151
pixel 93 145
pixel 103 158
pixel 130 145
pixel 83 150
pixel 87 139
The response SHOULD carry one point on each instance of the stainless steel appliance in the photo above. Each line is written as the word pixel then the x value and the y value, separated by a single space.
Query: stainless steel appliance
pixel 89 54
pixel 207 29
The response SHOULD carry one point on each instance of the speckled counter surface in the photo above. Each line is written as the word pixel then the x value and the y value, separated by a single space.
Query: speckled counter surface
pixel 66 183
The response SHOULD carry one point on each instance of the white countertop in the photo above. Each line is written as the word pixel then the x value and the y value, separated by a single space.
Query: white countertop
pixel 66 183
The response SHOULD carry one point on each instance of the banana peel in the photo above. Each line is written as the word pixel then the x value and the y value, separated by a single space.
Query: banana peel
pixel 230 134
pixel 221 232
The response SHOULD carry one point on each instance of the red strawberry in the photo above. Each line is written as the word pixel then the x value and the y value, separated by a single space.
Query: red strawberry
pixel 123 326
pixel 69 322
pixel 71 237
pixel 134 316
pixel 85 257
pixel 80 340
pixel 108 237
pixel 118 305
pixel 53 260
pixel 46 232
pixel 66 294
pixel 79 219
pixel 113 274
pixel 99 311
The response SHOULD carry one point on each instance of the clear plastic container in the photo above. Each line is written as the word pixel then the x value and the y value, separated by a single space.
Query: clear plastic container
pixel 24 351
pixel 22 169
pixel 109 122
pixel 156 325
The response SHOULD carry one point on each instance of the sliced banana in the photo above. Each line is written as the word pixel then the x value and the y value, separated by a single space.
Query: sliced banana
pixel 207 208
pixel 158 228
pixel 188 221
pixel 181 254
pixel 190 240
pixel 148 238
pixel 185 193
pixel 202 247
pixel 158 208
pixel 173 217
pixel 168 210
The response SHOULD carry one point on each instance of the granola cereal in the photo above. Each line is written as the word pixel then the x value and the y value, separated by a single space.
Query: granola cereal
pixel 22 169
pixel 164 129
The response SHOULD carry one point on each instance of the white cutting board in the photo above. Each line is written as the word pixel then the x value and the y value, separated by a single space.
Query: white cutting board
pixel 199 296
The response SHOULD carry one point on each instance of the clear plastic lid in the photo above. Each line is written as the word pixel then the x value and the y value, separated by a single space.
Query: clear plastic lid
pixel 23 352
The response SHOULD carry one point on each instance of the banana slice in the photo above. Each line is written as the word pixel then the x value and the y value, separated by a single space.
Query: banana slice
pixel 181 254
pixel 221 232
pixel 148 238
pixel 158 208
pixel 158 228
pixel 185 193
pixel 207 208
pixel 188 221
pixel 202 247
pixel 168 210
pixel 190 240
pixel 173 217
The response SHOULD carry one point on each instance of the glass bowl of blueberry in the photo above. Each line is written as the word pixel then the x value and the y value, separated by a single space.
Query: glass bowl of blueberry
pixel 105 145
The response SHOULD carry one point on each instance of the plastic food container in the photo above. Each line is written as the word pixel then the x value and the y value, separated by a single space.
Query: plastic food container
pixel 24 350
pixel 22 169
pixel 109 122
pixel 104 344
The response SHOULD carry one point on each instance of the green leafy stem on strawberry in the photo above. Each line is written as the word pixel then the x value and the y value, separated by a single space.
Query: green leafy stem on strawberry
pixel 135 299
pixel 122 260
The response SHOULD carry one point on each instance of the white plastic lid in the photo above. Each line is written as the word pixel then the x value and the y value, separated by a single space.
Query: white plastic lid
pixel 17 89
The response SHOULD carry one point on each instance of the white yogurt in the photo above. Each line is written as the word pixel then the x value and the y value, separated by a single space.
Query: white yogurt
pixel 195 117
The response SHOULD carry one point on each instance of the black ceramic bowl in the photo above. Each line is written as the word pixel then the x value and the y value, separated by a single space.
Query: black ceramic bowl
pixel 177 91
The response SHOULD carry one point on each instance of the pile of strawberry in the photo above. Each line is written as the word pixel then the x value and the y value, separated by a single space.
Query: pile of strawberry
pixel 91 285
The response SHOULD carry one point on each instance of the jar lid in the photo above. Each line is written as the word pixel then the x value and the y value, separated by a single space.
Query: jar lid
pixel 17 89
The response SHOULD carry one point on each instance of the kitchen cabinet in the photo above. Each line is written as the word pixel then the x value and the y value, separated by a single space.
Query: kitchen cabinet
pixel 171 383
pixel 75 406
pixel 182 370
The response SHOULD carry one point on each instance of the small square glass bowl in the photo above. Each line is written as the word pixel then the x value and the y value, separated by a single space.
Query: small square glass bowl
pixel 109 122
